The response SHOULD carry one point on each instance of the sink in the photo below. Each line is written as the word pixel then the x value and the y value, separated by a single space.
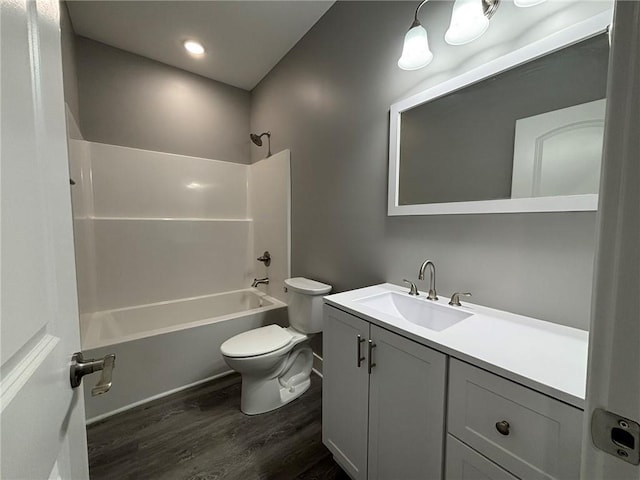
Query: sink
pixel 418 311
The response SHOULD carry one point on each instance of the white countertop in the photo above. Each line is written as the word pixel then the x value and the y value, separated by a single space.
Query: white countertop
pixel 544 356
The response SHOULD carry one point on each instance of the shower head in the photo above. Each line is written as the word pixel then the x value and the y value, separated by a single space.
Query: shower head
pixel 257 139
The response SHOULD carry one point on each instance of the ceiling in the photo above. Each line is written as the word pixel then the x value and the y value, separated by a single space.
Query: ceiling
pixel 244 40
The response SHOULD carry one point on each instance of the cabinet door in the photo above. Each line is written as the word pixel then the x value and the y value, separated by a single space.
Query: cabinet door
pixel 464 463
pixel 345 390
pixel 406 409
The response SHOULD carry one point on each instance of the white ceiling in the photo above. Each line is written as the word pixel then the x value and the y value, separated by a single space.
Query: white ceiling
pixel 244 40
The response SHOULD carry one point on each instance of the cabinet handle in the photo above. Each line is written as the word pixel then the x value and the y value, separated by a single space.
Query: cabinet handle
pixel 503 427
pixel 359 357
pixel 371 347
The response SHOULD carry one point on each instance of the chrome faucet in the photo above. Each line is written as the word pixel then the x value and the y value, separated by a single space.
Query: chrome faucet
pixel 432 295
pixel 258 281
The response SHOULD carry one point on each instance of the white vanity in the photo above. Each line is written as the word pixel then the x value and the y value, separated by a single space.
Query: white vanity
pixel 418 389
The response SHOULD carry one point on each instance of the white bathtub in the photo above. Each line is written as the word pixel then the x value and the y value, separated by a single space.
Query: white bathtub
pixel 165 347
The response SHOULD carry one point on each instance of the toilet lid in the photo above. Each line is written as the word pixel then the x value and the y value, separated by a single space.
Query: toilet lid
pixel 256 342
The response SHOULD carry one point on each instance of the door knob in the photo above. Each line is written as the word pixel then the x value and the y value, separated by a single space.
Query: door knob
pixel 81 367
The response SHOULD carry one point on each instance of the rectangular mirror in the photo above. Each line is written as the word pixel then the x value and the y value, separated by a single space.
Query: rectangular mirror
pixel 522 133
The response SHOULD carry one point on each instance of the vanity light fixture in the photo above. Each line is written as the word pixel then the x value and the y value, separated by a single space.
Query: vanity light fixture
pixel 469 20
pixel 193 47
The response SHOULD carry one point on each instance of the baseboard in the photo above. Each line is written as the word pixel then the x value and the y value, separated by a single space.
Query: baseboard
pixel 97 418
pixel 317 369
pixel 317 364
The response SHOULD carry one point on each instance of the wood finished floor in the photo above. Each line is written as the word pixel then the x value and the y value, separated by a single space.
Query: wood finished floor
pixel 201 434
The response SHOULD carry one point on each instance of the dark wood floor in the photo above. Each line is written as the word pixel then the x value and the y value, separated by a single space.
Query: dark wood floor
pixel 201 434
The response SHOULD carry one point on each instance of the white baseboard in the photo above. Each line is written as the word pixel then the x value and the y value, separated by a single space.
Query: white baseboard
pixel 155 397
pixel 317 369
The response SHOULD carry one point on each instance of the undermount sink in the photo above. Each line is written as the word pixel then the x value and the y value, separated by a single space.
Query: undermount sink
pixel 416 310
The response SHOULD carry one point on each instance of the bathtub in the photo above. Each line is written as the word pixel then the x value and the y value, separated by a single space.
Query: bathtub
pixel 165 347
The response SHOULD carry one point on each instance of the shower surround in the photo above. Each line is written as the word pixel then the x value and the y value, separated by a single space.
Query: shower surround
pixel 154 230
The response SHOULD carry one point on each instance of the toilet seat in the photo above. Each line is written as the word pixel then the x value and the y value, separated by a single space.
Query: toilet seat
pixel 258 341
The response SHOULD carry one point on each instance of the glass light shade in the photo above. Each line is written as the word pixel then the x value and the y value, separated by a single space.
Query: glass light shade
pixel 468 22
pixel 527 3
pixel 415 52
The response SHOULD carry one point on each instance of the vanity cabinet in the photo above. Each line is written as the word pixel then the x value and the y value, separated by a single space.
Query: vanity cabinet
pixel 383 401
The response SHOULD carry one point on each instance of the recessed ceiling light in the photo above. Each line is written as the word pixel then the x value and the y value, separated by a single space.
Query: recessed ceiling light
pixel 194 47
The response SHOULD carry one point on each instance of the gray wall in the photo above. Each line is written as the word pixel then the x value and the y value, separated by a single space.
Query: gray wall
pixel 69 72
pixel 129 100
pixel 328 101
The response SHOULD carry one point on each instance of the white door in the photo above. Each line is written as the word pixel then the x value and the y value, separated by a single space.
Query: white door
pixel 42 418
pixel 614 358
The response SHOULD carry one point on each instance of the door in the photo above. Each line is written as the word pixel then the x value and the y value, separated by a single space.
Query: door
pixel 345 390
pixel 614 358
pixel 43 432
pixel 406 409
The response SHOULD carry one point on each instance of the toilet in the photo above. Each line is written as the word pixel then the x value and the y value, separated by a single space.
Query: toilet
pixel 275 362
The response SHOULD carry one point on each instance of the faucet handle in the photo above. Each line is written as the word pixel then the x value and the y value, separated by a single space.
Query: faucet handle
pixel 265 258
pixel 455 298
pixel 413 290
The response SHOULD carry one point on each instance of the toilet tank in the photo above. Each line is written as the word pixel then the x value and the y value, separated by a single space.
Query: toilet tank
pixel 305 303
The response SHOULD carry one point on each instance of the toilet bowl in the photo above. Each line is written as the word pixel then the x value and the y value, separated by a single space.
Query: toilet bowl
pixel 275 362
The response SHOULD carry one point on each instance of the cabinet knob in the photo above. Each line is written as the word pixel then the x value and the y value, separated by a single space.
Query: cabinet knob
pixel 503 427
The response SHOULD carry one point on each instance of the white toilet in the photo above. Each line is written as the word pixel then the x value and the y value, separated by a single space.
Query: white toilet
pixel 275 362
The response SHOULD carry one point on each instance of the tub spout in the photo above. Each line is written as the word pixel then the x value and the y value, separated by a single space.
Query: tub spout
pixel 258 281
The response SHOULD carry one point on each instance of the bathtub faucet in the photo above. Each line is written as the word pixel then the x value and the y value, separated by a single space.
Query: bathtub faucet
pixel 258 281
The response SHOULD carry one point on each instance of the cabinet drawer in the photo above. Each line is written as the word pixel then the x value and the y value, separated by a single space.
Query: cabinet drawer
pixel 464 463
pixel 543 437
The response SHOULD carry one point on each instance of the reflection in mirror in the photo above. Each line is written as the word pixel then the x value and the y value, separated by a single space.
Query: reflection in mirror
pixel 532 131
pixel 559 152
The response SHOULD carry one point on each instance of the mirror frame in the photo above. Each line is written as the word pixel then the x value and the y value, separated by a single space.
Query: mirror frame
pixel 591 27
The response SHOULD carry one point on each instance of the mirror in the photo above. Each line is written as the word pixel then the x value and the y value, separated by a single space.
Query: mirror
pixel 522 133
